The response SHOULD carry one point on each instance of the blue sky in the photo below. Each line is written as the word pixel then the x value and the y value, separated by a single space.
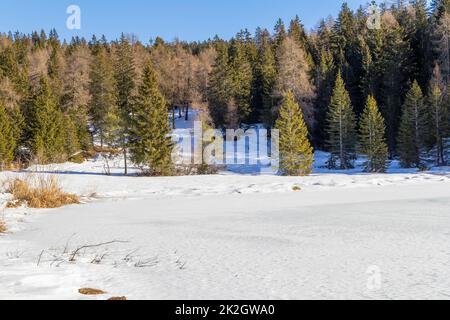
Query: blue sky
pixel 184 19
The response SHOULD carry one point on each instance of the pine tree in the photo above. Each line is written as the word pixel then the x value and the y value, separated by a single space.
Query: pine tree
pixel 372 137
pixel 125 74
pixel 279 32
pixel 71 142
pixel 55 73
pixel 103 108
pixel 420 42
pixel 347 53
pixel 439 117
pixel 341 127
pixel 46 126
pixel 265 76
pixel 441 44
pixel 219 87
pixel 150 144
pixel 206 166
pixel 297 32
pixel 241 79
pixel 296 153
pixel 11 100
pixel 412 128
pixel 394 83
pixel 325 77
pixel 7 142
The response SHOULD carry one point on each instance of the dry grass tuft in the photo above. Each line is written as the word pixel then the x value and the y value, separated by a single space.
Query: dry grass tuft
pixel 91 292
pixel 2 226
pixel 39 192
pixel 296 188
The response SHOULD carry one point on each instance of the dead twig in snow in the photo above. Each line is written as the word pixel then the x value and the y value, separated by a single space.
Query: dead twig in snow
pixel 67 243
pixel 147 263
pixel 40 257
pixel 75 253
pixel 98 259
pixel 129 256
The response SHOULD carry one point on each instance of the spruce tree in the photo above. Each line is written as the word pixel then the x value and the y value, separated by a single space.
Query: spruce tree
pixel 412 128
pixel 7 142
pixel 46 126
pixel 296 153
pixel 150 144
pixel 372 137
pixel 341 127
pixel 125 74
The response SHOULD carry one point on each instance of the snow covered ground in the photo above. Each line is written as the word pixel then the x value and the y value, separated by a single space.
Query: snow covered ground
pixel 232 236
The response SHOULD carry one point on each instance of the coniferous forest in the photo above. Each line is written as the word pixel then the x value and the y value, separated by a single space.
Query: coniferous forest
pixel 341 87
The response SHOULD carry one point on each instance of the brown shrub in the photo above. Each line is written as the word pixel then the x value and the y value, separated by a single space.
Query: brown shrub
pixel 40 192
pixel 2 226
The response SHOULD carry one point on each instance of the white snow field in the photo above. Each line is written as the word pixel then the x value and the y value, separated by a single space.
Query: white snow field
pixel 231 236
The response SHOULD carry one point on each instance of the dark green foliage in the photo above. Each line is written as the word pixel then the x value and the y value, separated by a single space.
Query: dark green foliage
pixel 412 128
pixel 264 82
pixel 125 76
pixel 241 79
pixel 219 88
pixel 150 144
pixel 46 126
pixel 103 108
pixel 438 116
pixel 324 82
pixel 341 127
pixel 7 141
pixel 393 82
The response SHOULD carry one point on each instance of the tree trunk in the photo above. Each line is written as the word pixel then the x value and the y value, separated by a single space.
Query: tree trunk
pixel 125 159
pixel 101 139
pixel 173 117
